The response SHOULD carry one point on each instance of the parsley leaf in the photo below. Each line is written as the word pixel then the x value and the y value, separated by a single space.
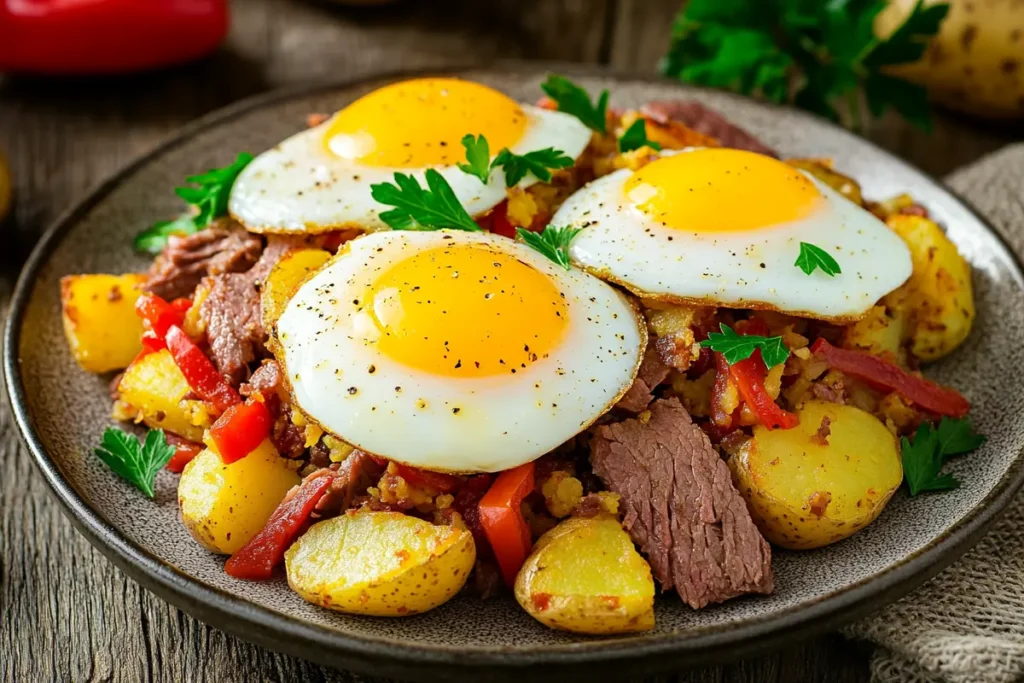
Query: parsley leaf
pixel 572 99
pixel 635 137
pixel 435 208
pixel 209 200
pixel 553 242
pixel 138 463
pixel 957 436
pixel 818 55
pixel 736 347
pixel 931 448
pixel 478 154
pixel 153 239
pixel 812 256
pixel 538 162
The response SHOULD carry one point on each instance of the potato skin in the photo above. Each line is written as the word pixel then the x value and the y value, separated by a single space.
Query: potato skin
pixel 100 323
pixel 975 63
pixel 383 564
pixel 586 576
pixel 804 493
pixel 284 280
pixel 938 299
pixel 223 506
pixel 152 389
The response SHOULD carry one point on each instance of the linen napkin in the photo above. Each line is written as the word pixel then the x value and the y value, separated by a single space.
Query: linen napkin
pixel 967 624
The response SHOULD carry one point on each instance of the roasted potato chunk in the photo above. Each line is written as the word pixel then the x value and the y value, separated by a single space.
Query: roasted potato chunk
pixel 223 506
pixel 586 576
pixel 821 481
pixel 879 333
pixel 152 390
pixel 384 564
pixel 938 298
pixel 103 331
pixel 284 280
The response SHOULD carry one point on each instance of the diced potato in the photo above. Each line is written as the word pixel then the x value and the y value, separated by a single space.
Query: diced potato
pixel 384 564
pixel 152 390
pixel 103 331
pixel 285 279
pixel 938 297
pixel 224 506
pixel 878 333
pixel 821 481
pixel 586 576
pixel 823 171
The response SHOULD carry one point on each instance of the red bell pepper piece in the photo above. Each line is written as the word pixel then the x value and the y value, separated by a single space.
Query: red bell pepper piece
pixel 438 481
pixel 502 519
pixel 185 453
pixel 107 36
pixel 240 430
pixel 159 314
pixel 264 551
pixel 749 375
pixel 499 222
pixel 882 374
pixel 199 372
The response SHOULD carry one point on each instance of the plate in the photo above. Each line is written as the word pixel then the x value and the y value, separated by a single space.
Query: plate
pixel 61 412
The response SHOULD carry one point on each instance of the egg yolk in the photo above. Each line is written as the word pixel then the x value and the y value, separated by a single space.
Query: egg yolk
pixel 422 123
pixel 715 190
pixel 466 311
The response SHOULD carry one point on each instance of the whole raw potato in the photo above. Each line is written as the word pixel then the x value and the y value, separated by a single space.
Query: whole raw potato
pixel 976 63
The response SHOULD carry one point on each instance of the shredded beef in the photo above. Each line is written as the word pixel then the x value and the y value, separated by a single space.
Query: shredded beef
pixel 589 506
pixel 231 311
pixel 268 380
pixel 652 373
pixel 351 478
pixel 185 261
pixel 320 454
pixel 828 392
pixel 707 121
pixel 487 580
pixel 681 506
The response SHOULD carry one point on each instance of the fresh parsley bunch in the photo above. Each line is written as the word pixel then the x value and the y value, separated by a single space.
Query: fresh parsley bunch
pixel 819 55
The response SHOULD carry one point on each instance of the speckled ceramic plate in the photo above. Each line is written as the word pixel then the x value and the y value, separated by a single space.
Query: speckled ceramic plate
pixel 62 410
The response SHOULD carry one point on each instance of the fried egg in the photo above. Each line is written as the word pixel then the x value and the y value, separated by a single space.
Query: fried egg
pixel 319 180
pixel 456 351
pixel 724 227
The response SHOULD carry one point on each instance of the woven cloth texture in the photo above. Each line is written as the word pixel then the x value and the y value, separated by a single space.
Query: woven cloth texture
pixel 967 624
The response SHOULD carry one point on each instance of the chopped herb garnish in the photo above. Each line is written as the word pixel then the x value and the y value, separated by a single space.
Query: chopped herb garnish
pixel 736 347
pixel 435 208
pixel 924 457
pixel 478 154
pixel 208 196
pixel 553 242
pixel 572 99
pixel 138 463
pixel 812 256
pixel 635 137
pixel 539 162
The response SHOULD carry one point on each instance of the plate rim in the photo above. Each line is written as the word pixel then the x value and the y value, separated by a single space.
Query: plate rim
pixel 601 657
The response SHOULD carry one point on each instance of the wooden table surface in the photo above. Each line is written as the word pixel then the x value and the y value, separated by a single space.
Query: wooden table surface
pixel 66 614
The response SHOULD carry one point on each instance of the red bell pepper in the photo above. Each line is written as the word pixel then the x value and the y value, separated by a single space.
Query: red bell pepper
pixel 199 372
pixel 749 375
pixel 185 453
pixel 502 519
pixel 438 481
pixel 107 36
pixel 240 430
pixel 884 375
pixel 500 224
pixel 158 314
pixel 257 558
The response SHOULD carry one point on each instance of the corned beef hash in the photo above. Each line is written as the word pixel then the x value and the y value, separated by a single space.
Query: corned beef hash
pixel 441 340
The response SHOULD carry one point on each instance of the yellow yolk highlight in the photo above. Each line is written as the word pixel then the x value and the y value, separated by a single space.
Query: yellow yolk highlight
pixel 422 122
pixel 466 311
pixel 715 190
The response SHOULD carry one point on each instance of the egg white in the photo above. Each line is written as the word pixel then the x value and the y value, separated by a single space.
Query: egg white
pixel 443 423
pixel 748 269
pixel 299 186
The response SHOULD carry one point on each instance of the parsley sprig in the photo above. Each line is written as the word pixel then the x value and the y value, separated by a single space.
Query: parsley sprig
pixel 814 257
pixel 208 194
pixel 539 162
pixel 736 347
pixel 635 137
pixel 138 463
pixel 924 457
pixel 827 49
pixel 553 242
pixel 572 99
pixel 435 208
